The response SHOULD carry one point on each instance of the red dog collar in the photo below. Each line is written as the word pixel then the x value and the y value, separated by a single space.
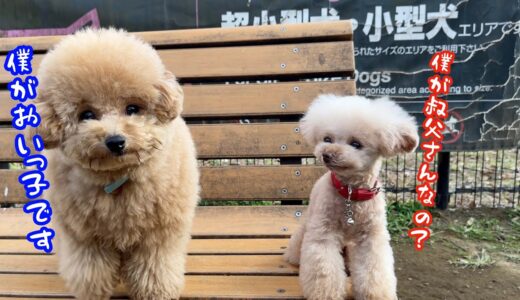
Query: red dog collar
pixel 355 194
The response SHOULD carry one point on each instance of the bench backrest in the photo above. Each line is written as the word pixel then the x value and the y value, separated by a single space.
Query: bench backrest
pixel 236 127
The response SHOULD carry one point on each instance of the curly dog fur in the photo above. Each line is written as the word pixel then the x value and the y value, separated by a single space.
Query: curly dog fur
pixel 354 133
pixel 139 233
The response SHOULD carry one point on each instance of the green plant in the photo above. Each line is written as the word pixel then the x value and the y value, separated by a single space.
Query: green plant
pixel 480 229
pixel 514 218
pixel 480 259
pixel 400 216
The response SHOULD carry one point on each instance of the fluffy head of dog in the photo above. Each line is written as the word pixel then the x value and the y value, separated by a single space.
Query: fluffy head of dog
pixel 352 133
pixel 105 99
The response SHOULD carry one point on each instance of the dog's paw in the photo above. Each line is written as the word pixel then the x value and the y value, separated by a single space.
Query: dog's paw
pixel 90 297
pixel 325 287
pixel 291 257
pixel 156 295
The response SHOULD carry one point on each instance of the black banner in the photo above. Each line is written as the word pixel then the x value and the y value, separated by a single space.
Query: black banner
pixel 394 41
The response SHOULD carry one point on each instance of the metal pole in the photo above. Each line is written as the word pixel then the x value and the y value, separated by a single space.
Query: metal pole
pixel 443 183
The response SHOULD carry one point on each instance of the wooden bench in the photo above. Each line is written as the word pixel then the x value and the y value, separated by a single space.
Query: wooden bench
pixel 236 250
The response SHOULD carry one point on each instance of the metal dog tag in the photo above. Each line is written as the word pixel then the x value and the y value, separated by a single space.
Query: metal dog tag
pixel 349 214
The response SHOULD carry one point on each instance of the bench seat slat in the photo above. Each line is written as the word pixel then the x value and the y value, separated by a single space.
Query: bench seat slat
pixel 196 265
pixel 244 183
pixel 210 221
pixel 195 247
pixel 247 61
pixel 274 33
pixel 197 286
pixel 31 298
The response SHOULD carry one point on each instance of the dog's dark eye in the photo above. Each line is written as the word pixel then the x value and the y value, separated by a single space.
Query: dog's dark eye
pixel 132 109
pixel 327 139
pixel 356 144
pixel 87 115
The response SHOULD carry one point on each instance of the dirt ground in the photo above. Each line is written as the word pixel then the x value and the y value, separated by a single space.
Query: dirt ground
pixel 473 254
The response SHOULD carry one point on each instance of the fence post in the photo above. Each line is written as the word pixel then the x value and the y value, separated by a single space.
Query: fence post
pixel 443 183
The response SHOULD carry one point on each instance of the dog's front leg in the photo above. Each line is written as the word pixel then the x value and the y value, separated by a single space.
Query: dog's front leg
pixel 89 270
pixel 371 265
pixel 322 269
pixel 293 252
pixel 154 270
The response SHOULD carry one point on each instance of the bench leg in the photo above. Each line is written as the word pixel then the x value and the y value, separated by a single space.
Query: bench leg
pixel 371 265
pixel 322 268
pixel 155 269
pixel 89 270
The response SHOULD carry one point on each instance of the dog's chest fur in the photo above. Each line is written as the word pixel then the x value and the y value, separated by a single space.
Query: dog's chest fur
pixel 365 214
pixel 330 211
pixel 122 219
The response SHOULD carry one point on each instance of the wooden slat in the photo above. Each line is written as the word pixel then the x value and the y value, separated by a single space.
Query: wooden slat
pixel 219 141
pixel 258 99
pixel 11 191
pixel 249 140
pixel 195 247
pixel 195 265
pixel 32 298
pixel 7 151
pixel 6 103
pixel 219 183
pixel 237 246
pixel 210 221
pixel 250 287
pixel 259 183
pixel 226 100
pixel 260 60
pixel 332 30
pixel 247 60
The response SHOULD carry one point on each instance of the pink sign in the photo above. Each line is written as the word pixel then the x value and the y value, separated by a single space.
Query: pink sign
pixel 91 18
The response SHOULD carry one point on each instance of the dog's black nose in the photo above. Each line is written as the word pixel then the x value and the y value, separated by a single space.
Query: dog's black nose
pixel 326 158
pixel 116 144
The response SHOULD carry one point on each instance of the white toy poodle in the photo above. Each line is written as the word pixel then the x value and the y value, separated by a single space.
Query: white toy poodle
pixel 345 226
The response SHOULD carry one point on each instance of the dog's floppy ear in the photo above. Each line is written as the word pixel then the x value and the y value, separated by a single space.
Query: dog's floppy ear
pixel 399 132
pixel 50 128
pixel 170 102
pixel 313 118
pixel 306 129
